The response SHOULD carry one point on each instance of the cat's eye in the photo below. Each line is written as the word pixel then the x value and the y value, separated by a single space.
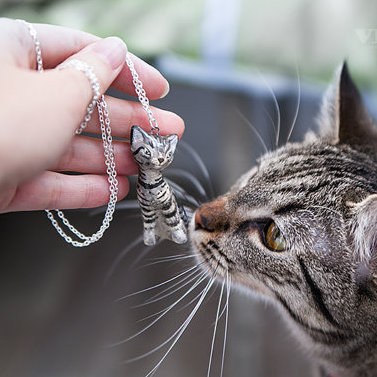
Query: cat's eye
pixel 147 152
pixel 273 238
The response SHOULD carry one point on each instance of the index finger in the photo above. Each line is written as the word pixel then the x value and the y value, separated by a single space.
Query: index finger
pixel 58 43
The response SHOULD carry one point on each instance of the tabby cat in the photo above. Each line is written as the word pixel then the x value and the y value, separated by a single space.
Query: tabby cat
pixel 162 216
pixel 301 230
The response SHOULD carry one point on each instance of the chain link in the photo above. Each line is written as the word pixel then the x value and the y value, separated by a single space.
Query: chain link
pixel 104 120
pixel 140 91
pixel 89 73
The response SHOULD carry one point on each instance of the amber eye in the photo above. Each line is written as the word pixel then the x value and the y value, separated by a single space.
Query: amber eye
pixel 273 238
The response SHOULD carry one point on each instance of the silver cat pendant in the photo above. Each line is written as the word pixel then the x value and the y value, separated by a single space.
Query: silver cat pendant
pixel 162 217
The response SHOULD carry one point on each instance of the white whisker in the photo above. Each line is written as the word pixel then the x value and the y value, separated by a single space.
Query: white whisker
pixel 215 329
pixel 167 340
pixel 194 154
pixel 157 285
pixel 185 325
pixel 159 317
pixel 161 296
pixel 297 106
pixel 139 257
pixel 247 121
pixel 180 173
pixel 273 125
pixel 182 194
pixel 226 322
pixel 277 108
pixel 166 260
pixel 118 259
pixel 196 297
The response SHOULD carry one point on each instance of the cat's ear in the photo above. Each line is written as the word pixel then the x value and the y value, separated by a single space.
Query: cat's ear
pixel 173 140
pixel 364 234
pixel 138 135
pixel 344 118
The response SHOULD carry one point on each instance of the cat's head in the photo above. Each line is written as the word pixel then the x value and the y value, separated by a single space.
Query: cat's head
pixel 301 227
pixel 152 151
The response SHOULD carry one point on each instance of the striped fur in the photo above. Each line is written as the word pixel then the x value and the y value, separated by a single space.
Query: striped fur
pixel 162 216
pixel 321 195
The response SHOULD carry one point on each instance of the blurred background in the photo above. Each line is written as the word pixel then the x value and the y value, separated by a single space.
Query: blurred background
pixel 233 67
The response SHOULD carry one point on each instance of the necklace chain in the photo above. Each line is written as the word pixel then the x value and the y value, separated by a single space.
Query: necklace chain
pixel 104 120
pixel 141 94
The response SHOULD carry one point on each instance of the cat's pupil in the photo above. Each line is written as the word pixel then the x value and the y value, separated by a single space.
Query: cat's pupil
pixel 274 240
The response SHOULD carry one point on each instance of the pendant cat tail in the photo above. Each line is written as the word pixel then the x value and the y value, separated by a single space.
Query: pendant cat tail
pixel 163 218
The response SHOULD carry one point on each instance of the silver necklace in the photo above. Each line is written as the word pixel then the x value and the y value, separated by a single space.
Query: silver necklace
pixel 179 232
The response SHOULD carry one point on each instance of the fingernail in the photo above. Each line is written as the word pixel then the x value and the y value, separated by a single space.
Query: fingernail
pixel 112 49
pixel 166 91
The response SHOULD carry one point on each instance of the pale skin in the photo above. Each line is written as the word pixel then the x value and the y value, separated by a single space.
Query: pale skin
pixel 39 113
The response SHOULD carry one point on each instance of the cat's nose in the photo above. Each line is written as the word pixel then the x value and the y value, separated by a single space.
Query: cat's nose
pixel 161 160
pixel 211 216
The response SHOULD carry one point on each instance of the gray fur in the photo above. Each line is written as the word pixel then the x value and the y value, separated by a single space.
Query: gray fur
pixel 322 195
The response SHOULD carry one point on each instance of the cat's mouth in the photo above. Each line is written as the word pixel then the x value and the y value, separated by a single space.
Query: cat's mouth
pixel 214 257
pixel 210 254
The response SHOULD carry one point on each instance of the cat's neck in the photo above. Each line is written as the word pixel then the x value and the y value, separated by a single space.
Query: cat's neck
pixel 150 176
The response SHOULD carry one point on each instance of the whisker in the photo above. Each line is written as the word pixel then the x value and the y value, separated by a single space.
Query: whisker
pixel 184 327
pixel 182 194
pixel 215 329
pixel 195 156
pixel 226 322
pixel 180 173
pixel 159 317
pixel 277 108
pixel 161 296
pixel 180 256
pixel 187 321
pixel 223 311
pixel 118 259
pixel 298 104
pixel 273 125
pixel 247 121
pixel 196 297
pixel 146 250
pixel 172 259
pixel 157 285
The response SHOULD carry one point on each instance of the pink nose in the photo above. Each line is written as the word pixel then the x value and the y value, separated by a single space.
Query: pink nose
pixel 160 160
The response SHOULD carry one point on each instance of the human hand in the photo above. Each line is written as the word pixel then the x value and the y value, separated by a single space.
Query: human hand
pixel 40 112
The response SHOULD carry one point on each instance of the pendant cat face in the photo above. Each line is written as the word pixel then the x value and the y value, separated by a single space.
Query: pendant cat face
pixel 152 151
pixel 300 229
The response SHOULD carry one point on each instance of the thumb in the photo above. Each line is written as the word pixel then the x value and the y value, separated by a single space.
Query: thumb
pixel 106 57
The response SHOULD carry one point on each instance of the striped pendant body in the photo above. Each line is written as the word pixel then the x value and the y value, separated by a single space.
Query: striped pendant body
pixel 162 216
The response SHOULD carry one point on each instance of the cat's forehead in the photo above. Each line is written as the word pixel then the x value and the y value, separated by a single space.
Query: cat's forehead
pixel 154 141
pixel 297 175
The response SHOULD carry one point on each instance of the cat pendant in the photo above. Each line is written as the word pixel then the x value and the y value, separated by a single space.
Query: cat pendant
pixel 162 217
